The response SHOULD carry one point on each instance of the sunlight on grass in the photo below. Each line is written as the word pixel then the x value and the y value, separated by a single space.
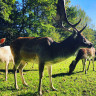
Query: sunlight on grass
pixel 76 84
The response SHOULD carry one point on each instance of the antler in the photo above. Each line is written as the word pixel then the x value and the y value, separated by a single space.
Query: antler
pixel 62 16
pixel 82 28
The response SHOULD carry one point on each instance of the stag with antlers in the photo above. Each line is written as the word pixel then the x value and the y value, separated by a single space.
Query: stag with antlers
pixel 45 50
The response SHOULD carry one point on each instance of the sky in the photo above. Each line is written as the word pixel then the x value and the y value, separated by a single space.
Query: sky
pixel 89 6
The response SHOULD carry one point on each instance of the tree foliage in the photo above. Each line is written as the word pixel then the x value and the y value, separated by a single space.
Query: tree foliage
pixel 36 18
pixel 6 8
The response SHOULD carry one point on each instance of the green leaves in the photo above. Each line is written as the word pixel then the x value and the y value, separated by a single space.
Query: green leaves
pixel 35 18
pixel 6 8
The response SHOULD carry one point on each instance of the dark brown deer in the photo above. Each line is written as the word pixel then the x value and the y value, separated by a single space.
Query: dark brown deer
pixel 45 50
pixel 84 54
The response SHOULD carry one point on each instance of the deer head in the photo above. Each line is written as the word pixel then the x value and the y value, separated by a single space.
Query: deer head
pixel 83 54
pixel 76 34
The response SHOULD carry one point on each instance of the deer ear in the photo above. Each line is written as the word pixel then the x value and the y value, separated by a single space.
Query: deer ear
pixel 2 40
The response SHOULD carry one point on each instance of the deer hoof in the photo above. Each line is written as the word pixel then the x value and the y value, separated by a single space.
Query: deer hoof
pixel 40 93
pixel 17 87
pixel 54 89
pixel 25 84
pixel 5 79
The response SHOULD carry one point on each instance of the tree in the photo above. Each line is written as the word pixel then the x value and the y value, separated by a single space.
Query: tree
pixel 6 8
pixel 35 18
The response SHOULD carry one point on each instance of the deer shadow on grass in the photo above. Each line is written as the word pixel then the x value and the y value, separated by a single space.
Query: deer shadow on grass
pixel 64 74
pixel 11 70
pixel 3 70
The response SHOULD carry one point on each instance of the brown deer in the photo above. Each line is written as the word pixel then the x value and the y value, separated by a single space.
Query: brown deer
pixel 45 50
pixel 83 54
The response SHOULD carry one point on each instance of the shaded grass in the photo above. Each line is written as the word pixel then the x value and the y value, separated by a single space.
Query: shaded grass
pixel 76 84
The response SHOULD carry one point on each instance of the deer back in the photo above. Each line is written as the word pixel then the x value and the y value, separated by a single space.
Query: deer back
pixel 31 48
pixel 86 53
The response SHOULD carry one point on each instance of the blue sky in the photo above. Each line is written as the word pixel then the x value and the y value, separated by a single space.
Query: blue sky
pixel 89 6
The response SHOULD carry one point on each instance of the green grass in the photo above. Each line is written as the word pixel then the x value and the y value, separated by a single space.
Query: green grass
pixel 76 84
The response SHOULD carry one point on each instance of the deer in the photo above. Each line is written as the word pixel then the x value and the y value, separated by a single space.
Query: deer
pixel 84 54
pixel 5 56
pixel 45 50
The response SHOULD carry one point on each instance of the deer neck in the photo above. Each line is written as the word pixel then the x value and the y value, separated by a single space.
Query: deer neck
pixel 66 48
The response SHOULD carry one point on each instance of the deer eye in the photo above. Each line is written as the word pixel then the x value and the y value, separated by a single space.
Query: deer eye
pixel 84 40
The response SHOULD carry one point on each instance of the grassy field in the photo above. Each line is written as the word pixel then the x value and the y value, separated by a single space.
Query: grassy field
pixel 76 84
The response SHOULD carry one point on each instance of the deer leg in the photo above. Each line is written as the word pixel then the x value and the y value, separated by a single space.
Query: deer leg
pixel 21 73
pixel 33 65
pixel 16 61
pixel 41 68
pixel 85 66
pixel 88 65
pixel 15 77
pixel 6 68
pixel 93 64
pixel 50 77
